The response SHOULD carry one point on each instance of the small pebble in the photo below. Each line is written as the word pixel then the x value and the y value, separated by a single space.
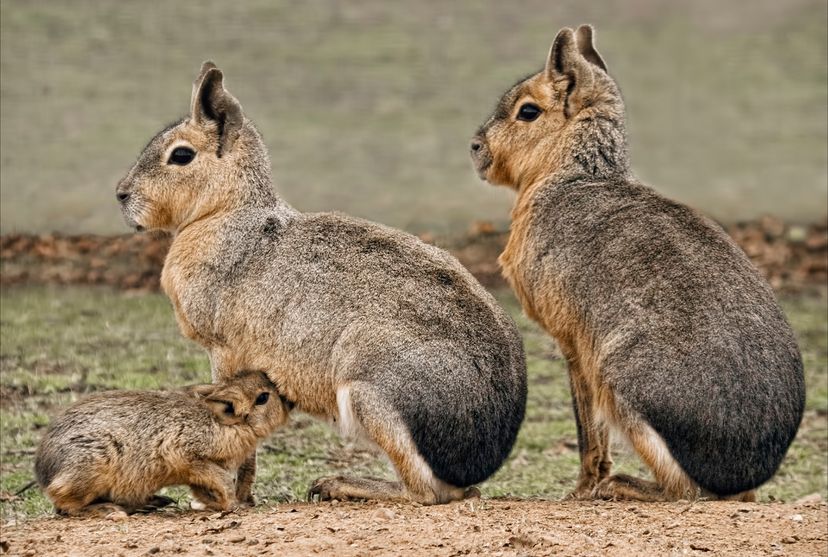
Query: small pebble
pixel 812 499
pixel 384 514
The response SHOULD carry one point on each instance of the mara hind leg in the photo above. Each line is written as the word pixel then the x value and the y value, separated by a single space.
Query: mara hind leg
pixel 78 495
pixel 671 482
pixel 363 412
pixel 593 434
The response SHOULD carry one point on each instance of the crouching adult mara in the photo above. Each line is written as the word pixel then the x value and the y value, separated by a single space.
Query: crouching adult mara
pixel 361 324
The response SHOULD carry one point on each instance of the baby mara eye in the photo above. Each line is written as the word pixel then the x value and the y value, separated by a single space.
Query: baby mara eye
pixel 262 398
pixel 228 408
pixel 181 156
pixel 529 112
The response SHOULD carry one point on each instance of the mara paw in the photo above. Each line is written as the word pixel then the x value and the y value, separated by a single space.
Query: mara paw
pixel 627 488
pixel 155 503
pixel 328 488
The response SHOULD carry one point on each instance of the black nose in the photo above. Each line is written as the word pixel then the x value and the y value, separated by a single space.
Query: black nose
pixel 122 196
pixel 476 144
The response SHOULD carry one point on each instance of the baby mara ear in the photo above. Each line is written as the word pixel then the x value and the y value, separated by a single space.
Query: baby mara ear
pixel 288 404
pixel 211 103
pixel 201 391
pixel 228 407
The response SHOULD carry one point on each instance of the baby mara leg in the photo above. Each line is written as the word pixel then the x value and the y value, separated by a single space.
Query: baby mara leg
pixel 244 481
pixel 82 494
pixel 212 486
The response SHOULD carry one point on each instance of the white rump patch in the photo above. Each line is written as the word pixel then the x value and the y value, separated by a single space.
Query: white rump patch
pixel 348 426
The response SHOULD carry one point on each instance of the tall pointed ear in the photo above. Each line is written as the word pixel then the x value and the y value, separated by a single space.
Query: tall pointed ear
pixel 584 38
pixel 569 71
pixel 205 67
pixel 212 102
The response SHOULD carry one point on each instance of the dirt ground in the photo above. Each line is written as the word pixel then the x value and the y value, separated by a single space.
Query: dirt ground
pixel 473 527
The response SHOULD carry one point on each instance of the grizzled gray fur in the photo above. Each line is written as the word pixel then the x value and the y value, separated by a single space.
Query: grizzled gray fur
pixel 355 322
pixel 672 336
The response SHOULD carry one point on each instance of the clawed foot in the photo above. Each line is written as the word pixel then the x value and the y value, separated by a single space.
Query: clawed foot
pixel 344 488
pixel 621 487
pixel 471 493
pixel 155 503
pixel 106 510
pixel 328 488
pixel 249 501
pixel 583 491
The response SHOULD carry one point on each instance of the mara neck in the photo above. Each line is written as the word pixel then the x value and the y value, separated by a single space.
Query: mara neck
pixel 215 217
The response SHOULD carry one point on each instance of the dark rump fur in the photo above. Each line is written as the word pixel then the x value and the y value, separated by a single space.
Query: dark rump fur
pixel 700 347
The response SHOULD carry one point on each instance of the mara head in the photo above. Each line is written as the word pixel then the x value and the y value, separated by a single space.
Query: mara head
pixel 209 161
pixel 540 125
pixel 249 398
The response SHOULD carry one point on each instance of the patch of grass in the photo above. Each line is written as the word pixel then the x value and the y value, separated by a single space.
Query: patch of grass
pixel 58 343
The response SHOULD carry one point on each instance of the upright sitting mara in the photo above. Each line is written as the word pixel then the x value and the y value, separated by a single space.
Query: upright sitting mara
pixel 673 339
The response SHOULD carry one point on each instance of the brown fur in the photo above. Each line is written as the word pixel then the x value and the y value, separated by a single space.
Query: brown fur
pixel 664 322
pixel 113 451
pixel 357 323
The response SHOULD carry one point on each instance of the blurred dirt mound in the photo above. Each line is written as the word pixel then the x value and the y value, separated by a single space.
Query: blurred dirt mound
pixel 128 262
pixel 792 257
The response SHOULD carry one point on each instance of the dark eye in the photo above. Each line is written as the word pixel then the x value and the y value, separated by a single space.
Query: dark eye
pixel 228 408
pixel 262 398
pixel 181 156
pixel 529 112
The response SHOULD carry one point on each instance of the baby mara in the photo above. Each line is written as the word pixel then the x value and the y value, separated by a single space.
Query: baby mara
pixel 112 452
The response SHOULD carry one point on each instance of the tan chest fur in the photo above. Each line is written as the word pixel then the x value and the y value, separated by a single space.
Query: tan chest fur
pixel 232 342
pixel 542 296
pixel 546 301
pixel 182 258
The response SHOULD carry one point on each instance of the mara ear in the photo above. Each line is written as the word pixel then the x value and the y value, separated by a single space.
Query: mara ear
pixel 202 391
pixel 212 103
pixel 584 37
pixel 226 410
pixel 205 67
pixel 569 71
pixel 288 404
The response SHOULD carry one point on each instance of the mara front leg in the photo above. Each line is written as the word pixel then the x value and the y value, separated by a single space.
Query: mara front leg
pixel 593 436
pixel 245 477
pixel 362 411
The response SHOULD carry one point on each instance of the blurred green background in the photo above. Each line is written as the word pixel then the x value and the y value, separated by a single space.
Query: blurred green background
pixel 367 107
